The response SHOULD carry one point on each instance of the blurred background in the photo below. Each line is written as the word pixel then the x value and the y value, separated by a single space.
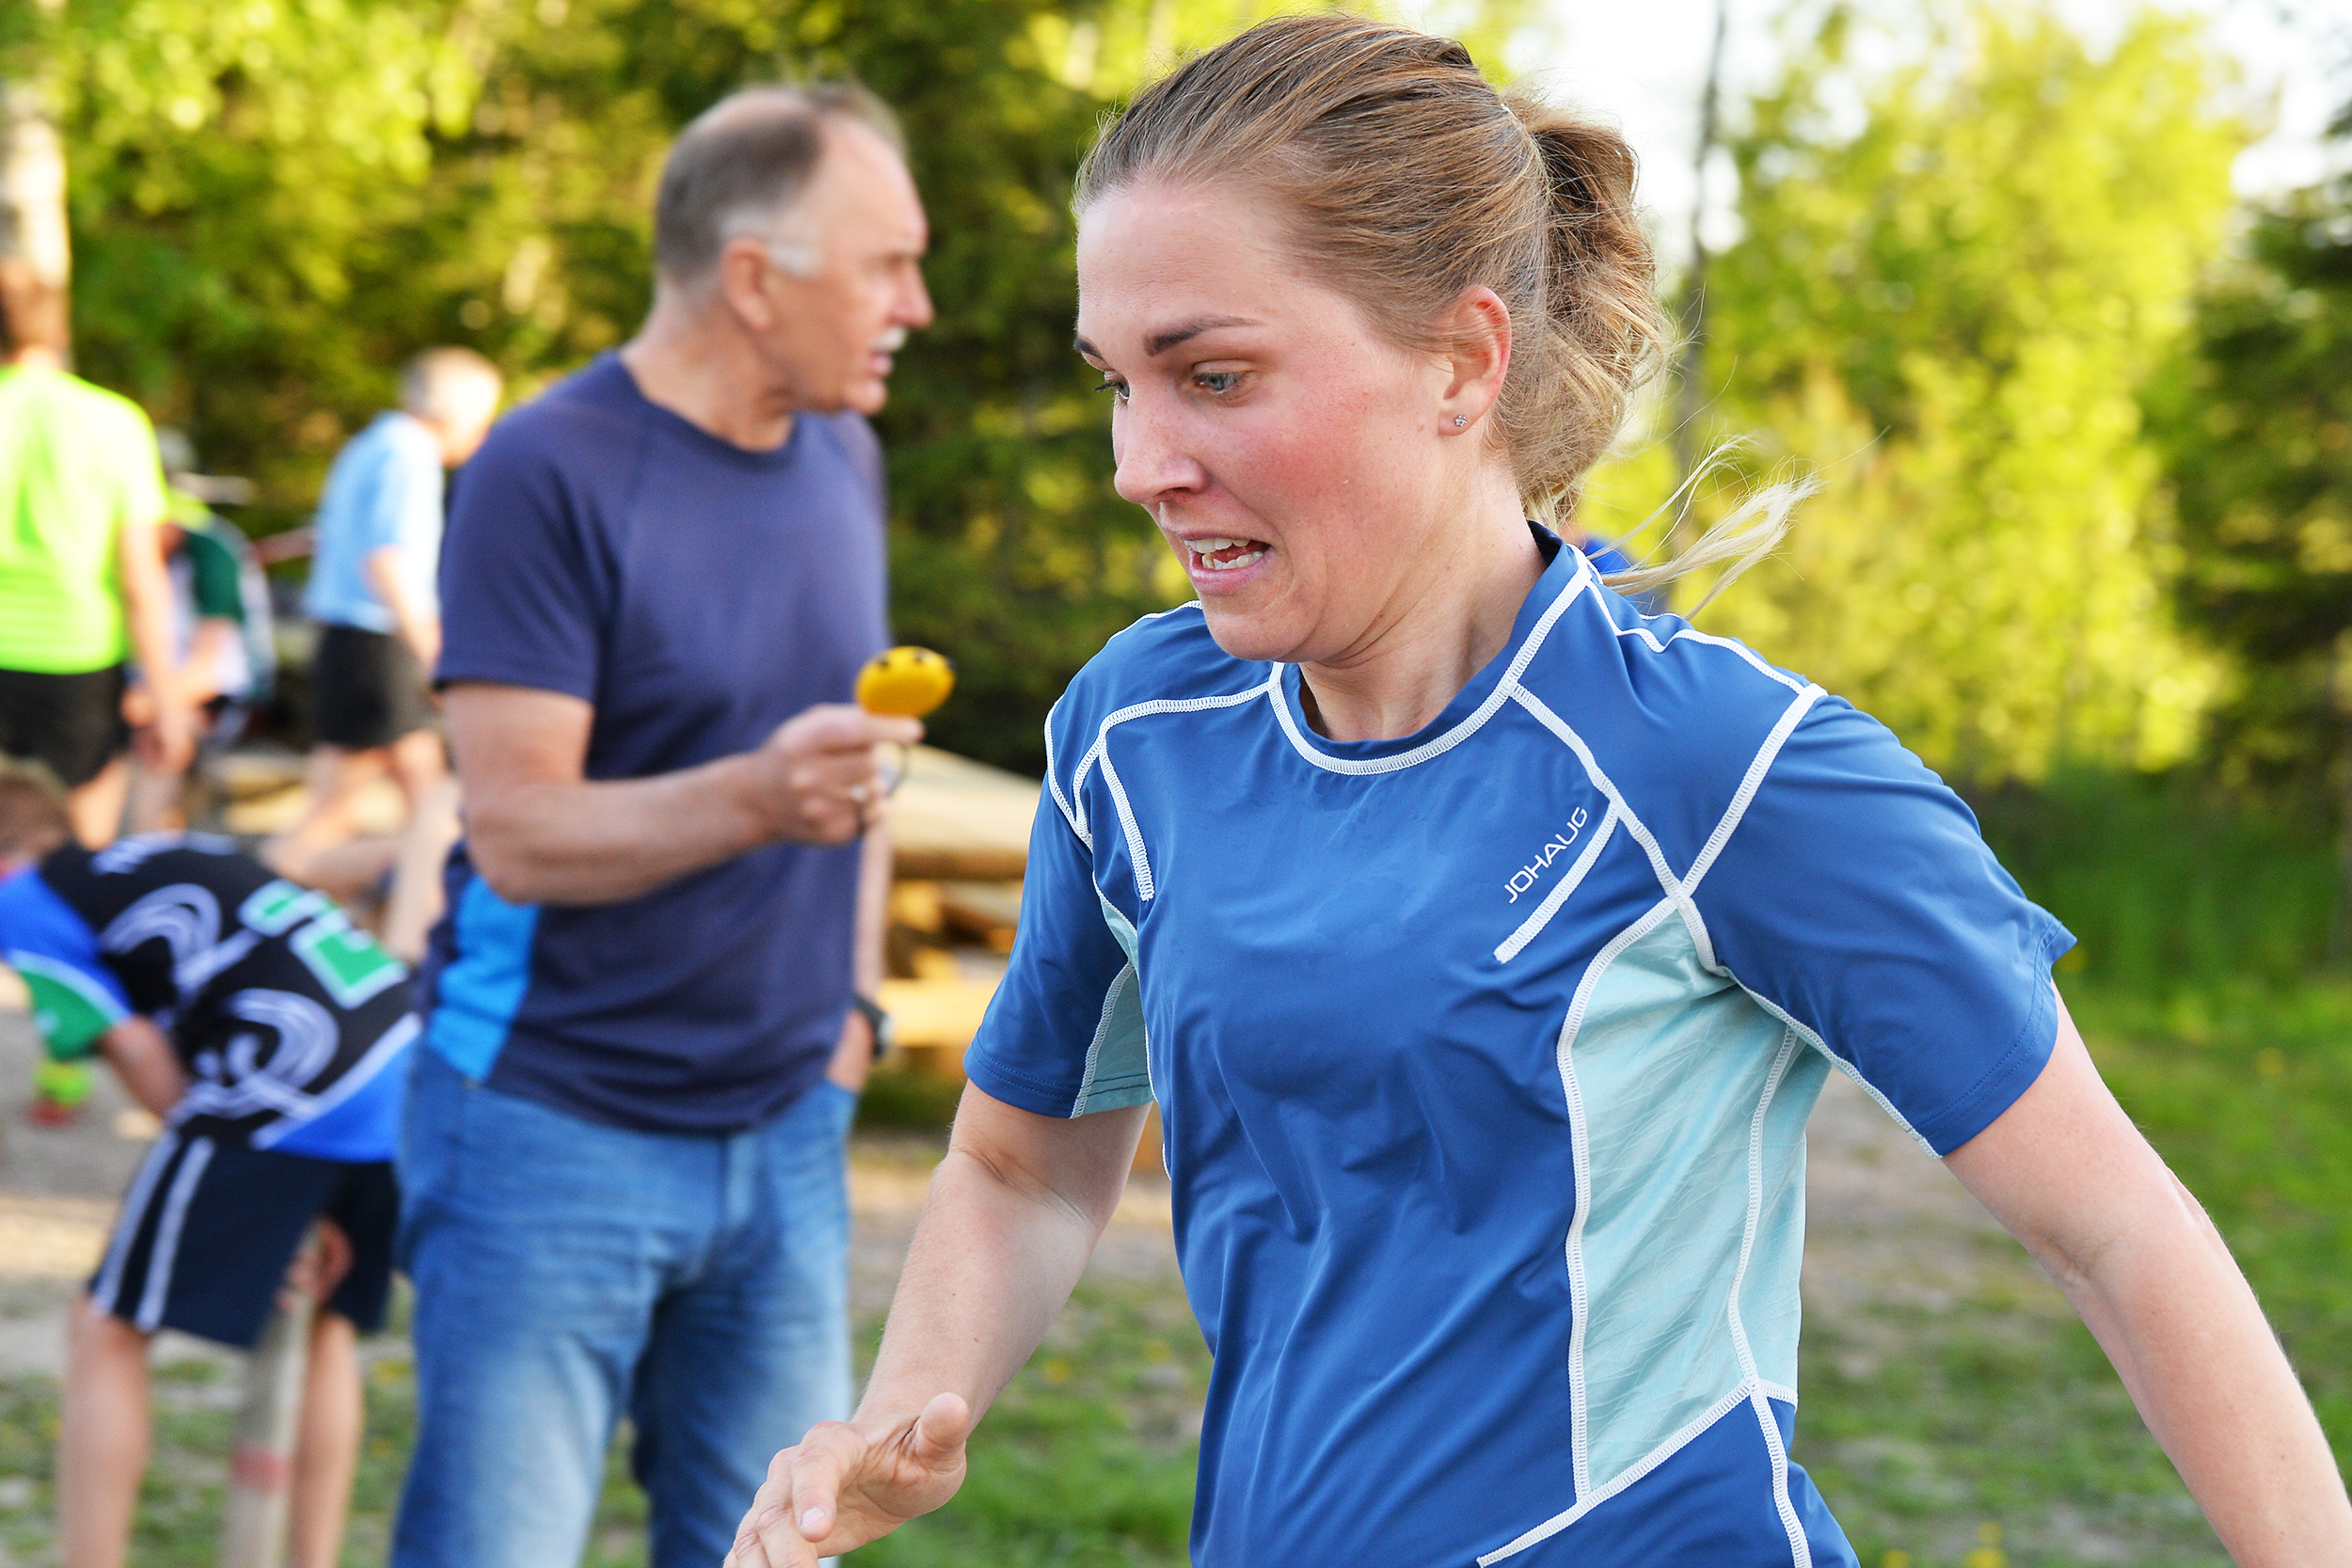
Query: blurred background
pixel 2056 297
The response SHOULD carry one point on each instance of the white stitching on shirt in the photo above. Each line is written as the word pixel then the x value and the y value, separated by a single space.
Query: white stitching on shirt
pixel 1667 881
pixel 1766 756
pixel 1054 783
pixel 1587 1502
pixel 1135 834
pixel 1697 636
pixel 1119 983
pixel 1580 1154
pixel 1533 926
pixel 1460 732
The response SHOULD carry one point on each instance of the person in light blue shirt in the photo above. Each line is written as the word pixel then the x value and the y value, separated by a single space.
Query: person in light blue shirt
pixel 384 492
pixel 373 595
pixel 1484 943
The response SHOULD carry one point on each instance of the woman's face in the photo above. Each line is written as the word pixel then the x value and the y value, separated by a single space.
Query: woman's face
pixel 1291 455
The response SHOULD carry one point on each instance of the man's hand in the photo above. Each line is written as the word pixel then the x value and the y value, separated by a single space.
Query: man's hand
pixel 422 634
pixel 813 781
pixel 852 1053
pixel 166 743
pixel 319 1263
pixel 847 1484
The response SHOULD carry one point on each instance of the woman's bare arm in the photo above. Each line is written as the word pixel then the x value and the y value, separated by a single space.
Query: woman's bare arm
pixel 2070 1176
pixel 1014 1212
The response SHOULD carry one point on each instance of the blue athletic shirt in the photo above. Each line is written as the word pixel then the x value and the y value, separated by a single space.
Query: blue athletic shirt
pixel 698 595
pixel 1484 1058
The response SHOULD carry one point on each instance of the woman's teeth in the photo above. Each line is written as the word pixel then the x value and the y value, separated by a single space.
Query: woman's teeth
pixel 1223 554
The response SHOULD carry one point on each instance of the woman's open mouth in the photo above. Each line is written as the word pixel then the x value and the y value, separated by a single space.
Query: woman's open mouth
pixel 1223 554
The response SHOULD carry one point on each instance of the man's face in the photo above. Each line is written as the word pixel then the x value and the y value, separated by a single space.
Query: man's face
pixel 462 430
pixel 849 287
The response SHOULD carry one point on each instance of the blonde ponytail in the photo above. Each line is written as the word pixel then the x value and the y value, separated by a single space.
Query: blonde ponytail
pixel 1403 179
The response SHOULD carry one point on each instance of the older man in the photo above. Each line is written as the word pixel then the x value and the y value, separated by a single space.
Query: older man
pixel 651 999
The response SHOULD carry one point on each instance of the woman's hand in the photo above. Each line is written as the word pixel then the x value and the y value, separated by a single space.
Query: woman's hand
pixel 848 1483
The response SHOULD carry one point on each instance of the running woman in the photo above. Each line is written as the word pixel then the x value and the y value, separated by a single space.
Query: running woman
pixel 1484 943
pixel 272 1038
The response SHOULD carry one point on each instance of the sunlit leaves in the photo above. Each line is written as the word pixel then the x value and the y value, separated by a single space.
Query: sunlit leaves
pixel 1952 311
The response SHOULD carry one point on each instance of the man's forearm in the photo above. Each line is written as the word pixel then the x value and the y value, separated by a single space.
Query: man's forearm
pixel 592 842
pixel 2186 1335
pixel 147 608
pixel 990 1266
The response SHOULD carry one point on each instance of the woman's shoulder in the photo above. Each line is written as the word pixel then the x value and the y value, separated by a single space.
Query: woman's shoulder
pixel 1168 658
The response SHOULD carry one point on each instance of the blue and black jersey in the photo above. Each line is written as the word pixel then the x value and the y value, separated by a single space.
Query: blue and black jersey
pixel 288 1019
pixel 1485 1056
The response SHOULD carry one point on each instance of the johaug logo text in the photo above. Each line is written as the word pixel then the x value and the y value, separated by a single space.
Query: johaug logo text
pixel 1526 875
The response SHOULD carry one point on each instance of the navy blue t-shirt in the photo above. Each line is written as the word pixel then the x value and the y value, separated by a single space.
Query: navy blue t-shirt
pixel 699 596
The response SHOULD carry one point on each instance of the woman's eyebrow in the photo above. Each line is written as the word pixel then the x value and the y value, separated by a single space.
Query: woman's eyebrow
pixel 1160 343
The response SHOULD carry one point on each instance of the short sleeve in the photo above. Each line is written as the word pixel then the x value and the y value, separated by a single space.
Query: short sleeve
pixel 76 999
pixel 1855 896
pixel 400 505
pixel 1064 1035
pixel 521 588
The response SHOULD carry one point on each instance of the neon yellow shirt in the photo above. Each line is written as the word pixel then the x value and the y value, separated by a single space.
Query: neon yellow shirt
pixel 77 463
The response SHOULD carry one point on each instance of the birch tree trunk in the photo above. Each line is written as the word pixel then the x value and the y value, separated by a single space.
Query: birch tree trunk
pixel 32 184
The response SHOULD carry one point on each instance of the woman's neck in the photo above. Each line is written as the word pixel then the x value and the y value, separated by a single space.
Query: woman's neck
pixel 1435 637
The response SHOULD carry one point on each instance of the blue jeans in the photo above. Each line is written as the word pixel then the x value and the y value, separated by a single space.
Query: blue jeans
pixel 565 1271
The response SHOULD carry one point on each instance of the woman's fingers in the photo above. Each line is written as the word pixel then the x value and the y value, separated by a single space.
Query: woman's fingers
pixel 940 1431
pixel 795 1507
pixel 798 1511
pixel 768 1504
pixel 830 1451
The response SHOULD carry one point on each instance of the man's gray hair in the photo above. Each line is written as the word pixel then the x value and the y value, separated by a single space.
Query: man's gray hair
pixel 435 384
pixel 744 163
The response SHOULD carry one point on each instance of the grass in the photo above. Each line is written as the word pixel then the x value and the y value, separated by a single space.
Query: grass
pixel 1087 1463
pixel 1989 1434
pixel 2170 886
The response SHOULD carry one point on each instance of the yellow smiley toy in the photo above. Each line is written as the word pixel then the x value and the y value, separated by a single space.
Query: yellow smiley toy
pixel 905 682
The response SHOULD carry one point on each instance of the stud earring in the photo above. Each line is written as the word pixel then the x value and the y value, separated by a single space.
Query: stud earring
pixel 1460 420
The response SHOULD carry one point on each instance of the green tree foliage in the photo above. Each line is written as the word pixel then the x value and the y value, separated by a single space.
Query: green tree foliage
pixel 1949 309
pixel 276 201
pixel 2256 421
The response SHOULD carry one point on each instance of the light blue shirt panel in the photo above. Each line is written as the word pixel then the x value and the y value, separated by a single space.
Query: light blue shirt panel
pixel 1357 966
pixel 385 487
pixel 1687 1171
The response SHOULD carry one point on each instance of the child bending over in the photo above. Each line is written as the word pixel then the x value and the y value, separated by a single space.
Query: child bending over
pixel 271 1037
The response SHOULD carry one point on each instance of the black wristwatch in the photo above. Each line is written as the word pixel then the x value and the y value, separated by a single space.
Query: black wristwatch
pixel 875 1020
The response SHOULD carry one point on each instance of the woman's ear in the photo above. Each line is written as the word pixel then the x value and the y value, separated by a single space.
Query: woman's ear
pixel 1477 332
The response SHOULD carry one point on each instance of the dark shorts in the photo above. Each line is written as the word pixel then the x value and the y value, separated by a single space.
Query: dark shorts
pixel 71 724
pixel 210 1226
pixel 368 690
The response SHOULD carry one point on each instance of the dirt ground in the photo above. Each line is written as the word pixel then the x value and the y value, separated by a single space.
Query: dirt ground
pixel 58 1188
pixel 1888 1225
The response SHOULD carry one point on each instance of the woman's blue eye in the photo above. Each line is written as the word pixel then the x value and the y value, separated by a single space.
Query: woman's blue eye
pixel 1118 389
pixel 1218 381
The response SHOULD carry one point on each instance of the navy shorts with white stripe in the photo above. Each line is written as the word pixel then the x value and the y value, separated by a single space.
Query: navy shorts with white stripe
pixel 210 1226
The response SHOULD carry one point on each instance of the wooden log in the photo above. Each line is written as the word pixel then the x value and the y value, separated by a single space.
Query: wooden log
pixel 261 1464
